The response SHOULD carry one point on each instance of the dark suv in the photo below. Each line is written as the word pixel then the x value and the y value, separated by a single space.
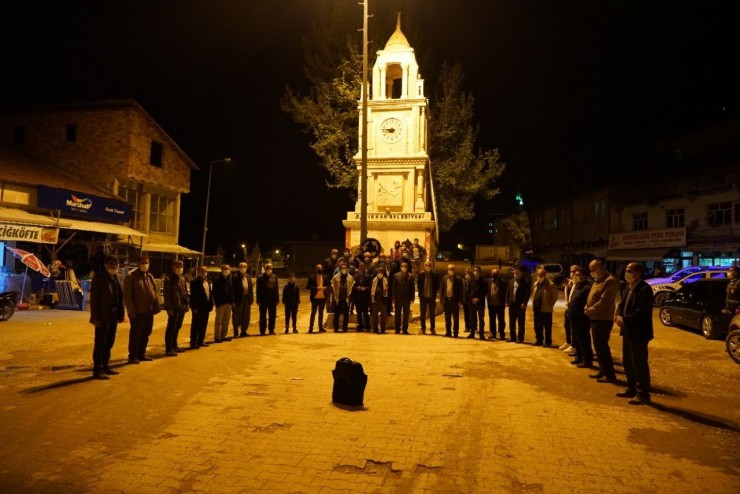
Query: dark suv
pixel 698 305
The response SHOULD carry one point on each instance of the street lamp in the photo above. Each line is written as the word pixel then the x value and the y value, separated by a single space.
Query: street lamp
pixel 244 251
pixel 208 200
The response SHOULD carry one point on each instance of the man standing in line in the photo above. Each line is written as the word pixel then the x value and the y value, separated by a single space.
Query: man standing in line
pixel 176 305
pixel 517 297
pixel 362 297
pixel 142 303
pixel 418 256
pixel 496 304
pixel 450 294
pixel 543 301
pixel 477 290
pixel 403 297
pixel 267 299
pixel 579 323
pixel 291 300
pixel 732 300
pixel 635 321
pixel 379 295
pixel 341 285
pixel 201 304
pixel 600 311
pixel 243 299
pixel 428 285
pixel 223 297
pixel 317 287
pixel 571 338
pixel 106 311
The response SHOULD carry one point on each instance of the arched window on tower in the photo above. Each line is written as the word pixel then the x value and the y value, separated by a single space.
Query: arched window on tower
pixel 394 81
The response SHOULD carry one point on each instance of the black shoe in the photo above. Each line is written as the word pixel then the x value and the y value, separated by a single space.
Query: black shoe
pixel 287 331
pixel 236 335
pixel 537 343
pixel 295 330
pixel 433 332
pixel 640 400
pixel 576 362
pixel 217 341
pixel 228 338
pixel 203 344
pixel 243 335
pixel 145 359
pixel 630 393
pixel 598 375
pixel 455 336
pixel 448 335
pixel 110 371
pixel 179 350
pixel 194 347
pixel 492 337
pixel 133 361
pixel 170 353
pixel 100 376
pixel 586 365
pixel 310 330
pixel 605 379
pixel 520 341
pixel 405 332
pixel 471 335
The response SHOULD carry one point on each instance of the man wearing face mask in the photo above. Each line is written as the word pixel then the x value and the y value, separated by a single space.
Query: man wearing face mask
pixel 142 303
pixel 201 304
pixel 635 320
pixel 428 286
pixel 176 305
pixel 106 311
pixel 450 295
pixel 362 297
pixel 543 300
pixel 223 297
pixel 379 295
pixel 342 285
pixel 267 299
pixel 317 286
pixel 403 297
pixel 477 290
pixel 517 297
pixel 732 300
pixel 243 298
pixel 600 311
pixel 496 291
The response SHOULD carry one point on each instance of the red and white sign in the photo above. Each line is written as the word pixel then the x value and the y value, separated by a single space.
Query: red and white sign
pixel 646 239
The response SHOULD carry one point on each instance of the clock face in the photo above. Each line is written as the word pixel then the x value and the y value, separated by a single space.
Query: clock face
pixel 391 130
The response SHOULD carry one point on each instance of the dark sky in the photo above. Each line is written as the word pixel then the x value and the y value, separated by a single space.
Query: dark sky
pixel 573 93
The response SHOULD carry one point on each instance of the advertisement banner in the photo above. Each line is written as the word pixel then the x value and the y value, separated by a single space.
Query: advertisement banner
pixel 73 203
pixel 646 239
pixel 26 233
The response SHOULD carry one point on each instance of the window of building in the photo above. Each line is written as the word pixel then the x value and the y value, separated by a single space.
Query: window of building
pixel 640 221
pixel 675 218
pixel 135 196
pixel 600 209
pixel 19 135
pixel 719 213
pixel 71 132
pixel 155 154
pixel 162 214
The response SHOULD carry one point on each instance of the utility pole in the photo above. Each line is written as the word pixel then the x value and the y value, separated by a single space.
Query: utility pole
pixel 363 129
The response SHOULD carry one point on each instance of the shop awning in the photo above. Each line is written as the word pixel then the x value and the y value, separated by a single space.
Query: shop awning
pixel 21 217
pixel 637 254
pixel 99 227
pixel 170 249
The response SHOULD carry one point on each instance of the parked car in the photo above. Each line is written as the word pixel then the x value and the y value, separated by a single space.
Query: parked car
pixel 682 273
pixel 699 305
pixel 732 342
pixel 553 272
pixel 661 290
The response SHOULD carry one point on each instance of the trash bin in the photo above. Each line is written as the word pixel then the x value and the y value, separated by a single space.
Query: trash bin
pixel 349 382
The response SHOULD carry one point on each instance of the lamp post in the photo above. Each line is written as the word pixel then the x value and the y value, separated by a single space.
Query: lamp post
pixel 244 252
pixel 208 200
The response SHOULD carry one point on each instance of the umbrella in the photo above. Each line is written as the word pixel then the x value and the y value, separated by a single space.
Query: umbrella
pixel 31 261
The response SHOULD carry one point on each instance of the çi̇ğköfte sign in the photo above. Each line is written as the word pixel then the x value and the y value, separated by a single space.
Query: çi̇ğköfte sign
pixel 667 237
pixel 37 234
pixel 84 205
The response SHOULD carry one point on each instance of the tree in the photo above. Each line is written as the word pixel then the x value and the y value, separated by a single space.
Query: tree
pixel 329 114
pixel 517 227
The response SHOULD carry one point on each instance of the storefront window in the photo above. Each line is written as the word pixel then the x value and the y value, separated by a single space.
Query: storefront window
pixel 134 196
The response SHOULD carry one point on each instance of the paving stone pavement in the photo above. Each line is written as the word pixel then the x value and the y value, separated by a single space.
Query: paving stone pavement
pixel 255 415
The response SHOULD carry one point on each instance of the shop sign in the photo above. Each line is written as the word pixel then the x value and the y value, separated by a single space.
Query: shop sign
pixel 26 233
pixel 83 205
pixel 646 239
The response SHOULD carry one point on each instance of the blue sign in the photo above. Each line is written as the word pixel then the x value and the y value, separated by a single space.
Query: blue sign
pixel 83 205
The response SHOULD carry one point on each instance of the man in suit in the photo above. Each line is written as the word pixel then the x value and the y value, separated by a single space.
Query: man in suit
pixel 600 308
pixel 379 295
pixel 243 299
pixel 428 285
pixel 176 305
pixel 450 295
pixel 317 286
pixel 477 291
pixel 496 300
pixel 403 297
pixel 635 321
pixel 342 284
pixel 267 299
pixel 517 297
pixel 106 311
pixel 223 297
pixel 142 303
pixel 201 304
pixel 363 280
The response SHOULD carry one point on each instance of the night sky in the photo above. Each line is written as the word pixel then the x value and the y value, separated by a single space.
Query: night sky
pixel 575 94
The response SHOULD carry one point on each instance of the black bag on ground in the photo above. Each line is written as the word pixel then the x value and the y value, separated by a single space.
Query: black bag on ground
pixel 349 382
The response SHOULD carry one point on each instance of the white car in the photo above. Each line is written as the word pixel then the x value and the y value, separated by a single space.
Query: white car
pixel 682 273
pixel 661 290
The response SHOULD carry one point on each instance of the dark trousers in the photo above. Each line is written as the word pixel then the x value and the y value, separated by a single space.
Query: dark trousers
pixel 516 322
pixel 476 316
pixel 265 311
pixel 568 331
pixel 379 315
pixel 341 309
pixel 542 327
pixel 363 312
pixel 198 326
pixel 466 315
pixel 174 323
pixel 317 306
pixel 138 336
pixel 496 314
pixel 427 304
pixel 601 332
pixel 105 336
pixel 452 317
pixel 291 314
pixel 635 360
pixel 402 316
pixel 581 334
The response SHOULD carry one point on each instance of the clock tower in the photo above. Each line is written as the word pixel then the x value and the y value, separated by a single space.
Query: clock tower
pixel 399 195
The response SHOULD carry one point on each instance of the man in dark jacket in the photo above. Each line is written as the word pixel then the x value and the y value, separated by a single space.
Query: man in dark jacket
pixel 517 297
pixel 317 285
pixel 106 311
pixel 496 300
pixel 201 304
pixel 403 297
pixel 267 299
pixel 176 305
pixel 243 299
pixel 635 320
pixel 363 282
pixel 428 285
pixel 579 322
pixel 291 299
pixel 223 297
pixel 450 295
pixel 477 290
pixel 142 303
